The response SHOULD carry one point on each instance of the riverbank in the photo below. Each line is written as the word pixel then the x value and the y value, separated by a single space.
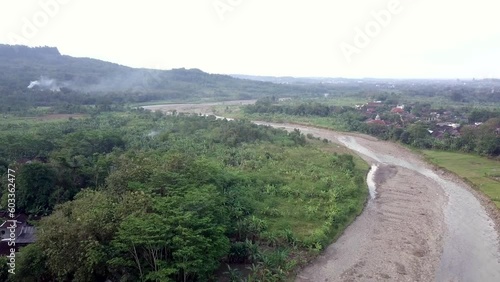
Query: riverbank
pixel 424 224
pixel 395 238
pixel 482 173
pixel 453 220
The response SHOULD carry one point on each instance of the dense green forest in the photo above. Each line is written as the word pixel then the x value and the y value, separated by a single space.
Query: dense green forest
pixel 140 196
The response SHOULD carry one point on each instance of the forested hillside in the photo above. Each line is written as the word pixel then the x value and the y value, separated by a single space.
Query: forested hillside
pixel 140 196
pixel 43 77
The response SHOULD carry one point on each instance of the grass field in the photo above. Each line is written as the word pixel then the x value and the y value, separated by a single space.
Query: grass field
pixel 236 112
pixel 482 173
pixel 310 203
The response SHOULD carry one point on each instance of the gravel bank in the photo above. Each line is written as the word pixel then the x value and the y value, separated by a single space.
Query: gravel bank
pixel 423 225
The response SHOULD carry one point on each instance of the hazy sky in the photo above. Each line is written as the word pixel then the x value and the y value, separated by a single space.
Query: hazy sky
pixel 356 38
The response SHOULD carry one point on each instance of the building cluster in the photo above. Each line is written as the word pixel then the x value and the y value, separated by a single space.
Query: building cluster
pixel 441 123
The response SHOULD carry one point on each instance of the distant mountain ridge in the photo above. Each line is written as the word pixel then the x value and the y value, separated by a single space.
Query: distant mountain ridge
pixel 294 80
pixel 38 67
pixel 19 50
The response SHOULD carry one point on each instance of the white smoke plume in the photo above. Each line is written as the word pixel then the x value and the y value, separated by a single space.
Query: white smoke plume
pixel 45 83
pixel 153 133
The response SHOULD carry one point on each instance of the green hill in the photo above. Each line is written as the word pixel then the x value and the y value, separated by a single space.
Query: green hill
pixel 54 78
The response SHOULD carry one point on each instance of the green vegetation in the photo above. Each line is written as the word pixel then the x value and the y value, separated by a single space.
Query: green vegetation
pixel 482 173
pixel 129 195
pixel 140 196
pixel 64 84
pixel 314 112
pixel 482 139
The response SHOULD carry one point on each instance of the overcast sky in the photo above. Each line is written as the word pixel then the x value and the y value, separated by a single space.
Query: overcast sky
pixel 330 38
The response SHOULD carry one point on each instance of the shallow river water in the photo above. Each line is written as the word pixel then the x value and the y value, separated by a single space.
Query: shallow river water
pixel 470 247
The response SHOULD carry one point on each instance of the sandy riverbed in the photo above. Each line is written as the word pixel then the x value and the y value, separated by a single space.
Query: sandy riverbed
pixel 398 236
pixel 423 224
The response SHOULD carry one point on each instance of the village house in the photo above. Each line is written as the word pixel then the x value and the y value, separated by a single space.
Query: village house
pixel 377 120
pixel 397 110
pixel 23 233
pixel 446 128
pixel 370 108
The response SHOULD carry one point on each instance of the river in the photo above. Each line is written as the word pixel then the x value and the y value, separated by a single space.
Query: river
pixel 420 224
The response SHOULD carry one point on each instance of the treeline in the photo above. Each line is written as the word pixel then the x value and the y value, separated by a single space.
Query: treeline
pixel 36 103
pixel 267 105
pixel 475 91
pixel 140 196
pixel 482 115
pixel 345 118
pixel 482 139
pixel 20 100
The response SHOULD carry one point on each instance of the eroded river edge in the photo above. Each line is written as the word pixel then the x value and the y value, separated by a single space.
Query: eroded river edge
pixel 422 225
